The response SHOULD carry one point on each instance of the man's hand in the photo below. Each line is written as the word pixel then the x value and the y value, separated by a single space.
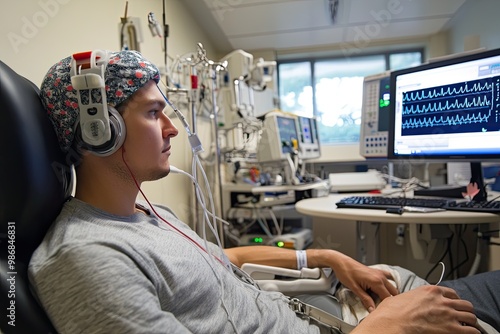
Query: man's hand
pixel 361 280
pixel 426 309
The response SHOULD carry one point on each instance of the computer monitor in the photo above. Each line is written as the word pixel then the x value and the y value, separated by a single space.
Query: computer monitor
pixel 447 110
pixel 279 137
pixel 309 145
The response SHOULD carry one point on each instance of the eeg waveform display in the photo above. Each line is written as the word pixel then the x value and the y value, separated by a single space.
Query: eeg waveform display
pixel 447 109
pixel 472 106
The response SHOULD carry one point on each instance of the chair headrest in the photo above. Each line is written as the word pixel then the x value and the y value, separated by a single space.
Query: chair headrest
pixel 35 178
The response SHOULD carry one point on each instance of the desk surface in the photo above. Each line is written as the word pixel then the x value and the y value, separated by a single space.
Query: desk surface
pixel 325 207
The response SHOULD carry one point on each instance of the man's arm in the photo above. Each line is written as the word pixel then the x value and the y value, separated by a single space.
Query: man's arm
pixel 266 255
pixel 426 309
pixel 354 275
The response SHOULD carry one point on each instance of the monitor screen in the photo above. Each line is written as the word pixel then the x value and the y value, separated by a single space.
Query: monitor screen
pixel 287 129
pixel 279 137
pixel 309 146
pixel 447 110
pixel 305 130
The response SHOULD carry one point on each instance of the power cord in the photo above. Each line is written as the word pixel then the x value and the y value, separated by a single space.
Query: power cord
pixel 447 250
pixel 442 273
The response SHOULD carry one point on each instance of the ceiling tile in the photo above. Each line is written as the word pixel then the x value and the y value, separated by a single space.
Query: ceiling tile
pixel 275 24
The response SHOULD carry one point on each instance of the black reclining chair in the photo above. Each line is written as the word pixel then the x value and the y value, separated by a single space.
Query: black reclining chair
pixel 35 181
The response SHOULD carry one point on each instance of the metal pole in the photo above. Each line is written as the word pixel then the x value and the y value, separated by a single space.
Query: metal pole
pixel 192 100
pixel 213 74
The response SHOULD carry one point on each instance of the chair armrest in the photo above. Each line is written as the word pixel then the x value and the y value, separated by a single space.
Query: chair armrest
pixel 290 281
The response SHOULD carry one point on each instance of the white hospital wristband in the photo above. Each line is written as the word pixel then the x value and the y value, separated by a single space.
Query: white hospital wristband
pixel 301 259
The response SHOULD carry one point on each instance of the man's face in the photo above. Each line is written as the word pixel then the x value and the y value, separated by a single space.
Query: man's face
pixel 149 130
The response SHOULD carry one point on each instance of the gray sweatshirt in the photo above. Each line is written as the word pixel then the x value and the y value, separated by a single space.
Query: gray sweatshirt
pixel 99 273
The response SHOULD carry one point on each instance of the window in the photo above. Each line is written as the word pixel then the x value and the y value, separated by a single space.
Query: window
pixel 331 89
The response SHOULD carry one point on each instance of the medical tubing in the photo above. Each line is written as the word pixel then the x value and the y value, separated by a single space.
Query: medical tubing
pixel 197 162
pixel 206 212
pixel 275 221
pixel 158 215
pixel 210 256
pixel 177 113
pixel 263 224
pixel 200 198
pixel 202 201
pixel 196 146
pixel 224 260
pixel 193 139
pixel 174 169
pixel 207 185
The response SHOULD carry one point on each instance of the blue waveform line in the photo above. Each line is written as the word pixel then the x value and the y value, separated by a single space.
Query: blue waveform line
pixel 434 121
pixel 440 106
pixel 435 92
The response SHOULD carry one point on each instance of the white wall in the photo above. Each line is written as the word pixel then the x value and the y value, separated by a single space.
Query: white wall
pixel 477 19
pixel 35 34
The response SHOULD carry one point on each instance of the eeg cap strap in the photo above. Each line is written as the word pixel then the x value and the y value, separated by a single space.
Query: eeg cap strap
pixel 87 78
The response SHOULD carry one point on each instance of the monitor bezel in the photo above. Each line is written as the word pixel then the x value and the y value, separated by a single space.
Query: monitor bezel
pixel 391 155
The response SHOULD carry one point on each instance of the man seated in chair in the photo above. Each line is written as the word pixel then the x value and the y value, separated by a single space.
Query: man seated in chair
pixel 111 265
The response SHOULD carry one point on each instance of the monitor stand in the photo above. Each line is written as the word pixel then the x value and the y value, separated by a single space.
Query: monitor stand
pixel 455 191
pixel 477 177
pixel 449 191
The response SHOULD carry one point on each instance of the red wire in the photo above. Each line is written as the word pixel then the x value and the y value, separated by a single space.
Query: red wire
pixel 156 213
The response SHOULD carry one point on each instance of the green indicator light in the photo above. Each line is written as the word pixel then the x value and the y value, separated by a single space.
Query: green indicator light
pixel 280 244
pixel 384 103
pixel 258 240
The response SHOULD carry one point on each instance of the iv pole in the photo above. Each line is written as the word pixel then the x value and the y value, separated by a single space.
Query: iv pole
pixel 213 74
pixel 165 36
pixel 213 68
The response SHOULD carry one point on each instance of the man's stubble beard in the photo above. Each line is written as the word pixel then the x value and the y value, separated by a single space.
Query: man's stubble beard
pixel 123 172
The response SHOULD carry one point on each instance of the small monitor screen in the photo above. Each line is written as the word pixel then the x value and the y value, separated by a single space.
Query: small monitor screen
pixel 447 109
pixel 288 132
pixel 306 130
pixel 309 143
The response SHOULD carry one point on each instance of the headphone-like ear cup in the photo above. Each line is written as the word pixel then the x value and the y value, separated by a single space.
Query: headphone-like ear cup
pixel 118 133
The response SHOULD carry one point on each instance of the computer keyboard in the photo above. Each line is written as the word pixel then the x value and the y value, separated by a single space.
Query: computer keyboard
pixel 384 203
pixel 475 206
